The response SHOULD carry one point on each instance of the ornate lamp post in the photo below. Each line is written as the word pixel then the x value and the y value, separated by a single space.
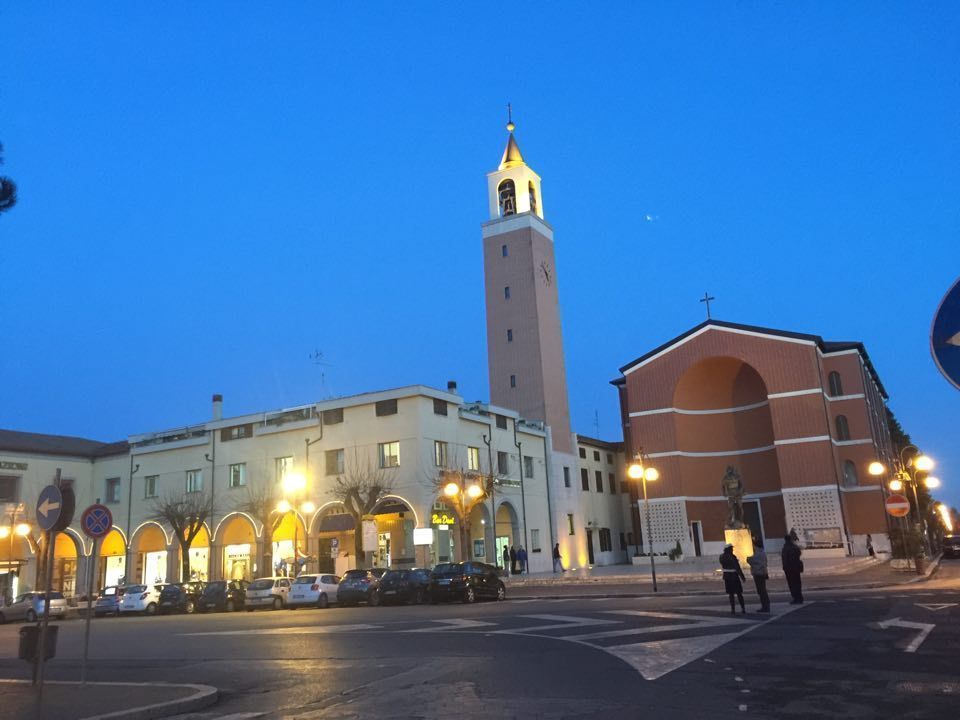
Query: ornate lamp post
pixel 294 494
pixel 637 471
pixel 465 497
pixel 905 473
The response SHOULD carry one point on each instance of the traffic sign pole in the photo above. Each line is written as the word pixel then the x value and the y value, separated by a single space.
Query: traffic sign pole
pixel 95 522
pixel 51 515
pixel 91 572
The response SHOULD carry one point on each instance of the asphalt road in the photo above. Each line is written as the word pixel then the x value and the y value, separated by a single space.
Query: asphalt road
pixel 851 654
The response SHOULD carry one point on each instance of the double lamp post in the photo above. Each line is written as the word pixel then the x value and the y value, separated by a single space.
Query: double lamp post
pixel 645 473
pixel 905 473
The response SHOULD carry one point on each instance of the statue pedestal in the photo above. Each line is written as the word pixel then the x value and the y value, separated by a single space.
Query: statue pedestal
pixel 742 543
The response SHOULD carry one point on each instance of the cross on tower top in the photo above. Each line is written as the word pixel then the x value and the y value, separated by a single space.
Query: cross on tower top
pixel 707 297
pixel 510 125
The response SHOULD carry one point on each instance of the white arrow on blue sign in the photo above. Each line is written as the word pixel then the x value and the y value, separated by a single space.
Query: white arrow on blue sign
pixel 945 336
pixel 48 506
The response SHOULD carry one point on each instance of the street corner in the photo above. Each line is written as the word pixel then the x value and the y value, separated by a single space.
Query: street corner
pixel 61 700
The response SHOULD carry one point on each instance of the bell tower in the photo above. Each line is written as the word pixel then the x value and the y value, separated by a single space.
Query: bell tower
pixel 524 339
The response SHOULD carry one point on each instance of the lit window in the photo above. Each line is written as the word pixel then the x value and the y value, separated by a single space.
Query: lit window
pixel 238 475
pixel 389 454
pixel 194 481
pixel 473 458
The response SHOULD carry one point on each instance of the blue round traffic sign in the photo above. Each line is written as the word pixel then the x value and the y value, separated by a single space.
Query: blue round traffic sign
pixel 96 521
pixel 49 506
pixel 945 336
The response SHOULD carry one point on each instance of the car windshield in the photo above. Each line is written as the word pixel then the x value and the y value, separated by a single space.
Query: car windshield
pixel 394 575
pixel 137 589
pixel 214 588
pixel 448 570
pixel 354 574
pixel 305 580
pixel 262 584
pixel 53 596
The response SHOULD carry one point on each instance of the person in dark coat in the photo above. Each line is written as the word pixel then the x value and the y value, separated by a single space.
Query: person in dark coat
pixel 557 562
pixel 522 559
pixel 732 576
pixel 792 568
pixel 513 561
pixel 506 558
pixel 758 568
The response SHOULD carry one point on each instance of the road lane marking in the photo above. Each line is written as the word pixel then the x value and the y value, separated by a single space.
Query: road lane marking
pixel 917 641
pixel 935 606
pixel 316 630
pixel 454 624
pixel 558 622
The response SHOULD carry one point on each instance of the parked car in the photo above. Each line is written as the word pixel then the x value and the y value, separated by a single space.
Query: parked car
pixel 180 597
pixel 951 546
pixel 108 601
pixel 318 590
pixel 223 596
pixel 466 581
pixel 141 599
pixel 360 585
pixel 29 607
pixel 268 592
pixel 404 586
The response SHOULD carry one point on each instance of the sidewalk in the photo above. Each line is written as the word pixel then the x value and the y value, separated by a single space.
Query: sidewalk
pixel 703 577
pixel 102 701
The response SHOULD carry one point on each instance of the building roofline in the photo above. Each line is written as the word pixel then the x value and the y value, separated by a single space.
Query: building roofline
pixel 59 445
pixel 824 346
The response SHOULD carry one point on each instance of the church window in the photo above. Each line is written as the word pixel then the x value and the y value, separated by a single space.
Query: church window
pixel 850 474
pixel 843 428
pixel 509 335
pixel 836 387
pixel 507 193
pixel 513 381
pixel 533 197
pixel 506 293
pixel 503 250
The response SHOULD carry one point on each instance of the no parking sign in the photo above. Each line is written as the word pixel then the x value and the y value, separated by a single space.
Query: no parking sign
pixel 96 521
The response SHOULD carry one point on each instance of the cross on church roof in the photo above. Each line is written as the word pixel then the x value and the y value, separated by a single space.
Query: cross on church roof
pixel 707 297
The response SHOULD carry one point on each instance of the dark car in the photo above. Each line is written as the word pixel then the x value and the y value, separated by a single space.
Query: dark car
pixel 180 597
pixel 108 601
pixel 951 546
pixel 223 596
pixel 466 581
pixel 404 586
pixel 360 585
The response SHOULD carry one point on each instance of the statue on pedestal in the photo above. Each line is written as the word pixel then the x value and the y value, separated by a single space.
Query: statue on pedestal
pixel 732 486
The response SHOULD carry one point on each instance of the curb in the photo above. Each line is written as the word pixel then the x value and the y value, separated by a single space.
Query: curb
pixel 203 696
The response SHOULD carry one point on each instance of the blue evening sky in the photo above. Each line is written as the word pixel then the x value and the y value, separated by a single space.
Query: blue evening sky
pixel 211 192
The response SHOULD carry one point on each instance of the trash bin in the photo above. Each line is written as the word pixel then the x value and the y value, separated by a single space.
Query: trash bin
pixel 30 638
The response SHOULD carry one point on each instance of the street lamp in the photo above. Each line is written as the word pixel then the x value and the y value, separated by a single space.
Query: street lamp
pixel 294 487
pixel 465 497
pixel 905 473
pixel 637 471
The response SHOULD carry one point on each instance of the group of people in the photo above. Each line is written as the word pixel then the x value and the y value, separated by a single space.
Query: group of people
pixel 515 560
pixel 733 575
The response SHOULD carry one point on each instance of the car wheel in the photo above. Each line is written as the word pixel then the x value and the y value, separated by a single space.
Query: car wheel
pixel 31 616
pixel 469 596
pixel 322 601
pixel 373 598
pixel 501 592
pixel 151 609
pixel 277 603
pixel 189 607
pixel 229 606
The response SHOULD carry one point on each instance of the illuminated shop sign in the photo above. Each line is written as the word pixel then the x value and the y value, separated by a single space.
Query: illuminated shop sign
pixel 442 518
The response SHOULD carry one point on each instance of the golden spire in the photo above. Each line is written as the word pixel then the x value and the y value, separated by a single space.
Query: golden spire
pixel 511 154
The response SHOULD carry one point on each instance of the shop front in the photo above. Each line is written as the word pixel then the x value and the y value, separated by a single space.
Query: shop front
pixel 65 564
pixel 112 561
pixel 444 524
pixel 237 564
pixel 239 540
pixel 395 524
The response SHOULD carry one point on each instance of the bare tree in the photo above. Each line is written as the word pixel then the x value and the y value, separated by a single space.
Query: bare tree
pixel 8 189
pixel 261 504
pixel 360 487
pixel 186 514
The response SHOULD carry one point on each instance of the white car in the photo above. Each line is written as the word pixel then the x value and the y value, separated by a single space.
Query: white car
pixel 140 599
pixel 316 590
pixel 268 592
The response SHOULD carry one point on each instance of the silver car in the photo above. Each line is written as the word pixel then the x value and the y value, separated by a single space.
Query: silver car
pixel 29 607
pixel 268 592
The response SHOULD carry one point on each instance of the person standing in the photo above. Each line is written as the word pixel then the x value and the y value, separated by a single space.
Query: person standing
pixel 513 561
pixel 870 551
pixel 506 559
pixel 557 563
pixel 732 576
pixel 522 559
pixel 792 568
pixel 758 568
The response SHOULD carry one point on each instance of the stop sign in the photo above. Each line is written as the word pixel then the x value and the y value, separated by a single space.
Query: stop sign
pixel 898 505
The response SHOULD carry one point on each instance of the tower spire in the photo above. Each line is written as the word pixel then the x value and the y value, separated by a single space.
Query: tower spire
pixel 510 126
pixel 511 153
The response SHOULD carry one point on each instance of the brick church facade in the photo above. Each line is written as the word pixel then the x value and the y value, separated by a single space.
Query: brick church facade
pixel 798 417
